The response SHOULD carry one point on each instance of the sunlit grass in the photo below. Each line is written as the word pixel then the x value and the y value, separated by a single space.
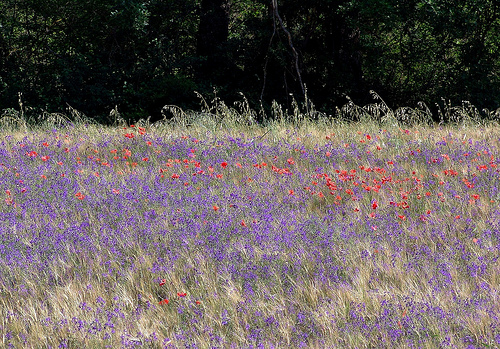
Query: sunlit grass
pixel 218 231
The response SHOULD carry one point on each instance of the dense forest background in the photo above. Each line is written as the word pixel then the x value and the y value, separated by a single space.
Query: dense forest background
pixel 141 55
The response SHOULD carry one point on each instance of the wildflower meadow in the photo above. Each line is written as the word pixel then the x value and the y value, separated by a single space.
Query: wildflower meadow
pixel 280 235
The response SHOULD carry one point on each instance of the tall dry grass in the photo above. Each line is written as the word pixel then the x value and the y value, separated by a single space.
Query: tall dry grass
pixel 241 258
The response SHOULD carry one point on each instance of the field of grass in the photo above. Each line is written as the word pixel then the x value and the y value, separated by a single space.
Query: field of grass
pixel 217 235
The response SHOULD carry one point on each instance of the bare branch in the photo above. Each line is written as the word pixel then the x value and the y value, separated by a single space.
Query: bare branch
pixel 277 17
pixel 295 54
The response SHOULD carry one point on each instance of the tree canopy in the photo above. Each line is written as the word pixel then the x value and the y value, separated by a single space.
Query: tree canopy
pixel 141 55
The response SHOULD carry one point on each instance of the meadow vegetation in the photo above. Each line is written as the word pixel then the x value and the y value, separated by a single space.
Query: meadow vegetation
pixel 371 229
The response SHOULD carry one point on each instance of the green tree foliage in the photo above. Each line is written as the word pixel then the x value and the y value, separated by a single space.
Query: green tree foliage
pixel 425 50
pixel 95 55
pixel 142 55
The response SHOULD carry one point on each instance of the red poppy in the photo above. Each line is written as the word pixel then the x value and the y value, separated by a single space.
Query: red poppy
pixel 80 196
pixel 165 301
pixel 243 224
pixel 162 282
pixel 216 208
pixel 224 164
pixel 181 294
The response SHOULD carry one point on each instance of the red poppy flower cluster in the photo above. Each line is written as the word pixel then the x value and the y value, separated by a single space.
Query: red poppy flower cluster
pixel 179 294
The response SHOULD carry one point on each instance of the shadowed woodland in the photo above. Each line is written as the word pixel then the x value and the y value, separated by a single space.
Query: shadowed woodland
pixel 138 56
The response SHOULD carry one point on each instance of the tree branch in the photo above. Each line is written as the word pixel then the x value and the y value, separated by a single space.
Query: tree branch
pixel 295 54
pixel 277 17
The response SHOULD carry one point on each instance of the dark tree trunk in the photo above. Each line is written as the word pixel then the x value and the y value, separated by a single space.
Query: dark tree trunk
pixel 213 31
pixel 345 50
